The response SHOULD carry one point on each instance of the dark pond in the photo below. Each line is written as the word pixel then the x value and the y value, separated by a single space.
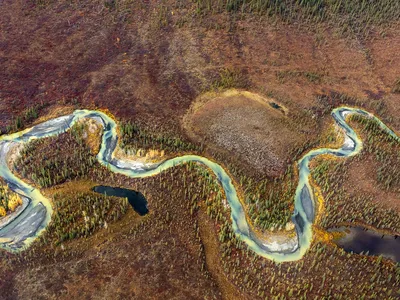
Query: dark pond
pixel 275 105
pixel 358 239
pixel 135 199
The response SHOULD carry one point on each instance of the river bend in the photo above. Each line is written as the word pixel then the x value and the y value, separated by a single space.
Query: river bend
pixel 20 228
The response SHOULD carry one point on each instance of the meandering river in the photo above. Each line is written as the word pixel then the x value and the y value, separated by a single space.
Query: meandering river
pixel 26 224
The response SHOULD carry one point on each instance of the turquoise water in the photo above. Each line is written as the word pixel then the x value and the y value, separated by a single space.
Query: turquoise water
pixel 19 233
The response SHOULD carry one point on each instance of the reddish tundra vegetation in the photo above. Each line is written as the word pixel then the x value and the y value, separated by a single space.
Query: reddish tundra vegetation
pixel 247 84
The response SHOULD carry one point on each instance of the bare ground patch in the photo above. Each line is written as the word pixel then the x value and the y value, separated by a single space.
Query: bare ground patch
pixel 252 128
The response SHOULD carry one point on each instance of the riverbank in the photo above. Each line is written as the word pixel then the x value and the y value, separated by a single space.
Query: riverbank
pixel 237 258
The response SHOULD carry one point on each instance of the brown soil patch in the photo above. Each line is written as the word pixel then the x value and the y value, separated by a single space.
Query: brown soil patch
pixel 244 125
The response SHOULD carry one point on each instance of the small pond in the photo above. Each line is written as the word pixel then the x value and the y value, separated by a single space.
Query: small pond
pixel 135 199
pixel 275 105
pixel 359 239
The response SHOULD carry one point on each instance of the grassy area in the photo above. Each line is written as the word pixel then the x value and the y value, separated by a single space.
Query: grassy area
pixel 134 137
pixel 48 168
pixel 355 17
pixel 230 79
pixel 81 215
pixel 312 77
pixel 269 202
